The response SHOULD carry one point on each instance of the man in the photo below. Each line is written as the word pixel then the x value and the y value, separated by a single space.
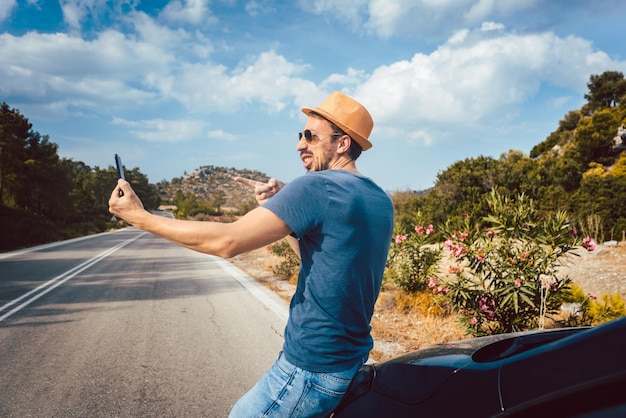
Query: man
pixel 340 223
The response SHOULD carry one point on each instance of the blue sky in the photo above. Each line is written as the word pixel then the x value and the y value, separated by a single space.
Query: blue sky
pixel 175 85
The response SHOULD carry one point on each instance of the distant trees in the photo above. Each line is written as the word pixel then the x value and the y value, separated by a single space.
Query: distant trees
pixel 44 197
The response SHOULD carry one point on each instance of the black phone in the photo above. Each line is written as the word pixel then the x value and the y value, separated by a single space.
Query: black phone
pixel 120 168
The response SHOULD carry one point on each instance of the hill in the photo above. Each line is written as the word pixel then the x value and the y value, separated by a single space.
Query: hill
pixel 208 183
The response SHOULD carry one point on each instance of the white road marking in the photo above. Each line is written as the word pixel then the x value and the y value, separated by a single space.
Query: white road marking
pixel 60 279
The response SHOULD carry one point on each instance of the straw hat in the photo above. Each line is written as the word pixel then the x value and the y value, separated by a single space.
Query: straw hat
pixel 348 114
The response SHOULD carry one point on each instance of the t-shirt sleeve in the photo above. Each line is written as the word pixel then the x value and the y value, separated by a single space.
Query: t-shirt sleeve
pixel 301 204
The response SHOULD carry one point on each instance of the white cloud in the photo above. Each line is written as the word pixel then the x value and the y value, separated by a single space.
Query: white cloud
pixel 221 135
pixel 260 7
pixel 161 130
pixel 6 8
pixel 195 12
pixel 352 12
pixel 269 79
pixel 476 81
pixel 483 9
pixel 437 20
pixel 489 26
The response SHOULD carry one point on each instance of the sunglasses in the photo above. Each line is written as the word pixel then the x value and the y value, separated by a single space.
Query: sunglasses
pixel 311 138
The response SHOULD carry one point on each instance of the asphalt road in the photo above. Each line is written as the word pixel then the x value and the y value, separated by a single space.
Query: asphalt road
pixel 126 324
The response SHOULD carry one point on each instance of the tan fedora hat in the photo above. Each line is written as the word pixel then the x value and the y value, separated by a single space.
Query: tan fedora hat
pixel 348 114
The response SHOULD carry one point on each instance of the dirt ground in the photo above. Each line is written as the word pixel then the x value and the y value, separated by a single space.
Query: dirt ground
pixel 602 271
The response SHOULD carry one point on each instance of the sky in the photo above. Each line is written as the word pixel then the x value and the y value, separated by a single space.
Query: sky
pixel 174 85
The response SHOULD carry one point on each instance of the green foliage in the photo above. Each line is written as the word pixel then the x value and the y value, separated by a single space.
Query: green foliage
pixel 606 89
pixel 413 259
pixel 594 136
pixel 289 264
pixel 601 195
pixel 589 309
pixel 506 271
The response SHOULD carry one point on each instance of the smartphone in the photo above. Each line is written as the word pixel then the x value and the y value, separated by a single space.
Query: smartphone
pixel 120 168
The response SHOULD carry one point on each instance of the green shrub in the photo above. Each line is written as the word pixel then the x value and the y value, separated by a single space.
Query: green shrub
pixel 587 309
pixel 414 259
pixel 507 271
pixel 289 264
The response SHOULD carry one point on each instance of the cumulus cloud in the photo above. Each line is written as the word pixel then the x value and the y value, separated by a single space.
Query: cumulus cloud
pixel 270 79
pixel 474 77
pixel 476 80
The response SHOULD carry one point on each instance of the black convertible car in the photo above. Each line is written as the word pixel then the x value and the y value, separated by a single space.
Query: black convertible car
pixel 566 372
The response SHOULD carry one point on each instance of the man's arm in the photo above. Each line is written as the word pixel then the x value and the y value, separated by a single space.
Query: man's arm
pixel 256 229
pixel 262 192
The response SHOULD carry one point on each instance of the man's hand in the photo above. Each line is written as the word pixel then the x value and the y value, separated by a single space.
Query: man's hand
pixel 262 191
pixel 126 205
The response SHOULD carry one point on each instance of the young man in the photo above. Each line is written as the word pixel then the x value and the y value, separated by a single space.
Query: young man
pixel 340 223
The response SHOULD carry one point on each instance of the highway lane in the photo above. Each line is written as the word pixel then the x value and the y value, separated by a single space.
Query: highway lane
pixel 136 326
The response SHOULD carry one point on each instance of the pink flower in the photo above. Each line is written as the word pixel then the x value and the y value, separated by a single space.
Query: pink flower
pixel 430 229
pixel 419 229
pixel 589 244
pixel 473 321
pixel 448 244
pixel 458 250
pixel 518 282
pixel 400 238
pixel 432 282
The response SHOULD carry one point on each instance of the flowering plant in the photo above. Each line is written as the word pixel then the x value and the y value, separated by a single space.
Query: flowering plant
pixel 414 258
pixel 506 273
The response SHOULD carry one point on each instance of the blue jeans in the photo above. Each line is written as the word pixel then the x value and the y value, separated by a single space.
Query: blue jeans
pixel 289 391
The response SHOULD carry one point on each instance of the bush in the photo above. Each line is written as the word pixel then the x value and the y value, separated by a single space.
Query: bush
pixel 290 263
pixel 413 259
pixel 587 309
pixel 506 275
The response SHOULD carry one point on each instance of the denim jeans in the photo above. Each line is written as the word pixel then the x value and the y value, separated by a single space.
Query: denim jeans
pixel 289 391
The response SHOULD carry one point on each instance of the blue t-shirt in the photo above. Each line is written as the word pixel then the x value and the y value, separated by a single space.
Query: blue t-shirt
pixel 343 222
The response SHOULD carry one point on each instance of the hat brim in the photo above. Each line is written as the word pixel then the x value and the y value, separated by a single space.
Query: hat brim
pixel 362 141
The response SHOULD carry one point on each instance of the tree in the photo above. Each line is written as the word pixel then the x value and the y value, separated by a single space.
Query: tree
pixel 14 131
pixel 605 90
pixel 594 137
pixel 218 198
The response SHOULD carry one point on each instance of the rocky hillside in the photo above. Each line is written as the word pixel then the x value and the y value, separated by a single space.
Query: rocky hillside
pixel 205 181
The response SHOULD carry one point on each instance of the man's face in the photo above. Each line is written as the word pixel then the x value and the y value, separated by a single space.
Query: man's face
pixel 321 151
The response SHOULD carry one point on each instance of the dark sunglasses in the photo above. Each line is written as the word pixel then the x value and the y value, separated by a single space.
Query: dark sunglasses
pixel 312 138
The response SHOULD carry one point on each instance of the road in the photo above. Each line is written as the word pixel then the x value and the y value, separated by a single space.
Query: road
pixel 126 324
